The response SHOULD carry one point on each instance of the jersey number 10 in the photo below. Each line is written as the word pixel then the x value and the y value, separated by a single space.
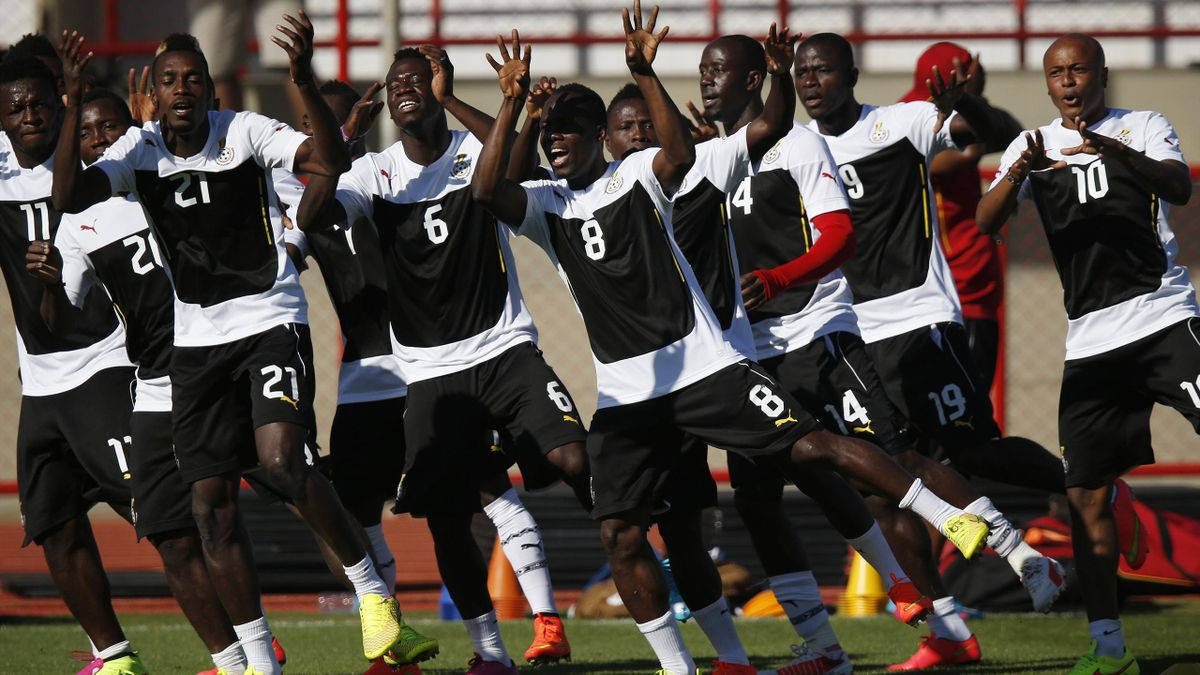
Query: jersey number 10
pixel 1091 181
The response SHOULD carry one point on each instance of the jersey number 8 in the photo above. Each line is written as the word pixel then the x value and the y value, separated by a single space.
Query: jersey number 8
pixel 593 239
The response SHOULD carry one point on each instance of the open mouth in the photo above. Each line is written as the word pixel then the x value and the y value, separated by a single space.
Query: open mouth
pixel 183 109
pixel 558 157
pixel 408 104
pixel 1071 100
pixel 812 100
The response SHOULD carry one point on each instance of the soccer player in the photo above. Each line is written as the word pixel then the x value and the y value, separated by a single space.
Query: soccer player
pixel 75 405
pixel 241 344
pixel 1102 179
pixel 369 423
pixel 973 257
pixel 663 367
pixel 463 334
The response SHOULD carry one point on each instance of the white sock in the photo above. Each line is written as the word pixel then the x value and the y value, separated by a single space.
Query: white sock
pixel 521 541
pixel 924 503
pixel 717 623
pixel 365 579
pixel 944 621
pixel 114 651
pixel 232 659
pixel 875 550
pixel 95 652
pixel 667 642
pixel 485 635
pixel 1110 639
pixel 800 597
pixel 255 637
pixel 1004 539
pixel 386 562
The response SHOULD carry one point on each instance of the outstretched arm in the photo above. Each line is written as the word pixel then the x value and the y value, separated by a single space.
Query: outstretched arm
pixel 776 119
pixel 677 152
pixel 1168 178
pixel 998 203
pixel 74 189
pixel 523 163
pixel 474 120
pixel 977 121
pixel 325 153
pixel 504 198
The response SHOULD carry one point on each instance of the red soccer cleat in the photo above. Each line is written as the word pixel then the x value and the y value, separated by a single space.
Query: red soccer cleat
pixel 549 641
pixel 480 667
pixel 936 652
pixel 911 606
pixel 1131 535
pixel 280 656
pixel 381 667
pixel 814 661
pixel 726 668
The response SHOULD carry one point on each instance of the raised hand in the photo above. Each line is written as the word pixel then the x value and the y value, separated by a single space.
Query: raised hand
pixel 299 47
pixel 141 103
pixel 703 129
pixel 780 50
pixel 641 44
pixel 74 61
pixel 443 72
pixel 362 115
pixel 44 263
pixel 1094 143
pixel 539 95
pixel 946 95
pixel 513 74
pixel 1033 158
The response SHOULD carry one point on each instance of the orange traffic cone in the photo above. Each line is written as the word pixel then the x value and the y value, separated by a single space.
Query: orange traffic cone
pixel 503 586
pixel 864 594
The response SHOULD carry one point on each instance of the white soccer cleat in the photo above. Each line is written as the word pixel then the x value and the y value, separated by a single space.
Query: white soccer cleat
pixel 1044 578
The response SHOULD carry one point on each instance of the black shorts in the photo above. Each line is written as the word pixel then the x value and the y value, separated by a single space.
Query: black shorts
pixel 72 451
pixel 366 451
pixel 162 501
pixel 264 378
pixel 449 430
pixel 929 375
pixel 1105 402
pixel 690 487
pixel 632 448
pixel 983 338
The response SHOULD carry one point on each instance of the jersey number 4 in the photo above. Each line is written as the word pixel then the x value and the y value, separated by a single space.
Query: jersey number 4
pixel 743 197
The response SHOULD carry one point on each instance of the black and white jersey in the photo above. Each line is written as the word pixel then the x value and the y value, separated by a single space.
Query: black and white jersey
pixel 453 295
pixel 772 212
pixel 1112 246
pixel 898 275
pixel 216 216
pixel 701 227
pixel 111 245
pixel 49 363
pixel 651 330
pixel 351 261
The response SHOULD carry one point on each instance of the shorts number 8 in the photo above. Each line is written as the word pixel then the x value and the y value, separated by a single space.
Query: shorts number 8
pixel 766 400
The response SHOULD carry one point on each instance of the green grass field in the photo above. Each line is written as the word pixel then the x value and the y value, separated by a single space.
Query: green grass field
pixel 323 643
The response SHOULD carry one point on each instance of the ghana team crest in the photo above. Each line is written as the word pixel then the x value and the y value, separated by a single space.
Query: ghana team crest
pixel 461 166
pixel 773 153
pixel 226 155
pixel 1125 136
pixel 614 183
pixel 879 134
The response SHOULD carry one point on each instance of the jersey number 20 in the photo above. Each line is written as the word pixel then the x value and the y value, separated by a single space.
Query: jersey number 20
pixel 141 245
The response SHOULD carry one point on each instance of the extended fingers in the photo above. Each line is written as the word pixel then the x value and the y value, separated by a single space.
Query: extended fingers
pixel 503 48
pixel 144 82
pixel 492 62
pixel 287 47
pixel 371 91
pixel 653 19
pixel 625 20
pixel 637 14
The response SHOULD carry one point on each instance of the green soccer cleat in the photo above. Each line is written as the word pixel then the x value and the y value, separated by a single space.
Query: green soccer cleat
pixel 968 532
pixel 1093 664
pixel 129 664
pixel 412 647
pixel 380 625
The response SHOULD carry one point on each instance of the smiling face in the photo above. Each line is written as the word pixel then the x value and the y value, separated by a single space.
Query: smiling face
pixel 31 114
pixel 726 82
pixel 1076 77
pixel 569 139
pixel 629 129
pixel 824 81
pixel 181 91
pixel 410 97
pixel 101 123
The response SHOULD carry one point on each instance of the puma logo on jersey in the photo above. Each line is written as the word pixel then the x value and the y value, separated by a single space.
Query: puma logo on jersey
pixel 290 401
pixel 826 174
pixel 789 418
pixel 88 227
pixel 966 424
pixel 864 430
pixel 568 418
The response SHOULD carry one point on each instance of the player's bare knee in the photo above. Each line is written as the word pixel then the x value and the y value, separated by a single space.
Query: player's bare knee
pixel 622 539
pixel 176 548
pixel 813 447
pixel 571 460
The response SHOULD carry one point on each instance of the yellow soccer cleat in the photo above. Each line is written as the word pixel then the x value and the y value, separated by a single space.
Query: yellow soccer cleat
pixel 252 671
pixel 1093 664
pixel 966 531
pixel 380 625
pixel 412 647
pixel 129 664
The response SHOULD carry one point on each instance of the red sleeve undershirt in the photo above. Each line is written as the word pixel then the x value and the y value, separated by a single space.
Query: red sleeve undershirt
pixel 834 247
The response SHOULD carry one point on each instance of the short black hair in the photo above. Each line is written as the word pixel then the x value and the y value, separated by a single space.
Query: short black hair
pixel 840 45
pixel 407 53
pixel 32 44
pixel 341 90
pixel 26 68
pixel 589 102
pixel 629 92
pixel 178 42
pixel 102 94
pixel 750 49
